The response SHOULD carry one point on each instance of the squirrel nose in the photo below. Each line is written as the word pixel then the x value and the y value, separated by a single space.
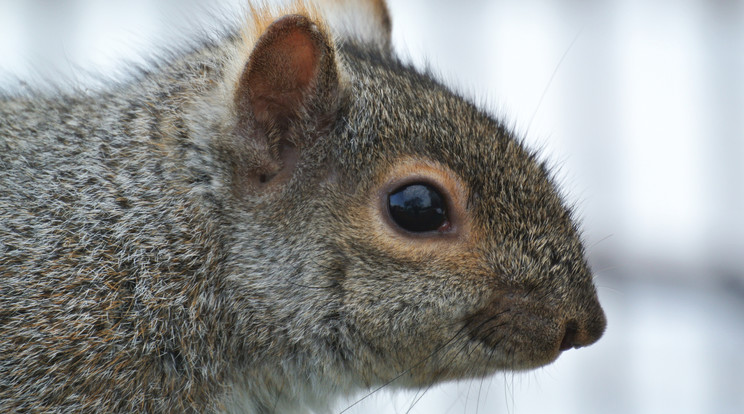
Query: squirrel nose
pixel 569 336
pixel 576 336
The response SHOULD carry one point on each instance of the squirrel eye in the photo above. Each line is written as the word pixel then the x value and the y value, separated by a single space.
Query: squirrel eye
pixel 418 208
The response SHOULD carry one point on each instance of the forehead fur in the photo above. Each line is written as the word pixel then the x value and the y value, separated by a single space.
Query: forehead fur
pixel 398 111
pixel 403 112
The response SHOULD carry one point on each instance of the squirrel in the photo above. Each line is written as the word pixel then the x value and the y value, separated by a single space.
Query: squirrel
pixel 274 218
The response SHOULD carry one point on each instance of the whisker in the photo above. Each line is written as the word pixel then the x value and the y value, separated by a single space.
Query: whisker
pixel 419 397
pixel 611 289
pixel 550 80
pixel 602 240
pixel 404 372
pixel 477 400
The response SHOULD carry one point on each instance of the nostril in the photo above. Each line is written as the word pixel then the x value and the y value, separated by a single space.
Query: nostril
pixel 569 336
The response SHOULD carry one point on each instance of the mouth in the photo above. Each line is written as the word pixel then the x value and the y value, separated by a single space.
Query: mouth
pixel 518 334
pixel 521 330
pixel 470 358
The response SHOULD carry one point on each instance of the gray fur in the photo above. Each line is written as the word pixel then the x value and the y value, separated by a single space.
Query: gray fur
pixel 135 278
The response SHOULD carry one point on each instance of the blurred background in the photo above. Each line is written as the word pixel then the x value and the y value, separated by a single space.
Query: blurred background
pixel 639 105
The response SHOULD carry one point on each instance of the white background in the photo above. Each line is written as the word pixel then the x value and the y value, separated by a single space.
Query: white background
pixel 638 103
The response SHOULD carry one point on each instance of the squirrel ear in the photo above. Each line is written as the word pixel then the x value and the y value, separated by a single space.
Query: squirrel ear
pixel 291 71
pixel 367 21
pixel 289 84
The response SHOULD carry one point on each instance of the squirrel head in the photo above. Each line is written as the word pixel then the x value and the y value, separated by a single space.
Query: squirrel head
pixel 382 224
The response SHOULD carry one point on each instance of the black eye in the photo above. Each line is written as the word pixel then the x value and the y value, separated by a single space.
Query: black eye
pixel 417 208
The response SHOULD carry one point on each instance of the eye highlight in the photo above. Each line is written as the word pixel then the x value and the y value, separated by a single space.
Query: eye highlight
pixel 418 208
